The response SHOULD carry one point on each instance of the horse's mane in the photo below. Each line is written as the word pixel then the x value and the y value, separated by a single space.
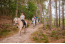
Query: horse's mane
pixel 19 19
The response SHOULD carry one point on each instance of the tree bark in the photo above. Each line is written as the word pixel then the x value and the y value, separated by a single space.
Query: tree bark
pixel 62 15
pixel 50 15
pixel 17 9
pixel 59 12
pixel 56 13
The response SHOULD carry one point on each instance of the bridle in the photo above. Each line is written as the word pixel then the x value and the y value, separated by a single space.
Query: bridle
pixel 16 21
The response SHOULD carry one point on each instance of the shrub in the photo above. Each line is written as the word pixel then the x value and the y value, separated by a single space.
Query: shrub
pixel 7 25
pixel 53 26
pixel 46 41
pixel 35 38
pixel 4 32
pixel 14 29
pixel 40 37
pixel 47 26
pixel 63 32
pixel 54 34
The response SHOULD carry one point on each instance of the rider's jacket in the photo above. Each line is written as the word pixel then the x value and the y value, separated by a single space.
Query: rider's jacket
pixel 22 17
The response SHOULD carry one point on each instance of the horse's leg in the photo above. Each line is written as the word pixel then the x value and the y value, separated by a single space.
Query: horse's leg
pixel 20 31
pixel 25 29
pixel 26 24
pixel 33 25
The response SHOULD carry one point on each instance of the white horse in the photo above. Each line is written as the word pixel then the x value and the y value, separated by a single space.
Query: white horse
pixel 37 21
pixel 19 24
pixel 33 22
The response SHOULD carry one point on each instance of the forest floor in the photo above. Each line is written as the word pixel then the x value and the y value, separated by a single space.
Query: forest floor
pixel 24 38
pixel 55 35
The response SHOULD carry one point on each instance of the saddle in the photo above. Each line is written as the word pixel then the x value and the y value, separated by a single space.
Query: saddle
pixel 24 23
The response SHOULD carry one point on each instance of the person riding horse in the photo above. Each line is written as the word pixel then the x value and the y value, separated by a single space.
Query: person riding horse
pixel 37 20
pixel 34 20
pixel 22 17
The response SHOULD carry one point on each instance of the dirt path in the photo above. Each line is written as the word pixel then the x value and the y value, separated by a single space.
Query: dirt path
pixel 24 38
pixel 59 41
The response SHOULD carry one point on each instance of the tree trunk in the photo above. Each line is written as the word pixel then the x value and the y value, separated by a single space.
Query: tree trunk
pixel 56 13
pixel 50 15
pixel 44 20
pixel 17 9
pixel 59 12
pixel 44 16
pixel 40 11
pixel 62 15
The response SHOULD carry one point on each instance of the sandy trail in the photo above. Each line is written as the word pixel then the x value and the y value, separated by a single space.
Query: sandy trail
pixel 24 38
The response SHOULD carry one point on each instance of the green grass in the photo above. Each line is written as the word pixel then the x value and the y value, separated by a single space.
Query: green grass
pixel 7 25
pixel 39 37
pixel 14 29
pixel 63 33
pixel 7 30
pixel 53 26
pixel 35 38
pixel 56 34
pixel 4 32
pixel 47 26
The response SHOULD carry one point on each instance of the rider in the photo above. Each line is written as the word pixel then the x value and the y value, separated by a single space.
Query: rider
pixel 35 20
pixel 22 17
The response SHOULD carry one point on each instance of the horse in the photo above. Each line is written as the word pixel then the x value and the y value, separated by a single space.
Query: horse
pixel 37 21
pixel 19 23
pixel 33 22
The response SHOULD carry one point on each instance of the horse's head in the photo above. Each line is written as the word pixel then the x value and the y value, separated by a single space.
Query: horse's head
pixel 15 20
